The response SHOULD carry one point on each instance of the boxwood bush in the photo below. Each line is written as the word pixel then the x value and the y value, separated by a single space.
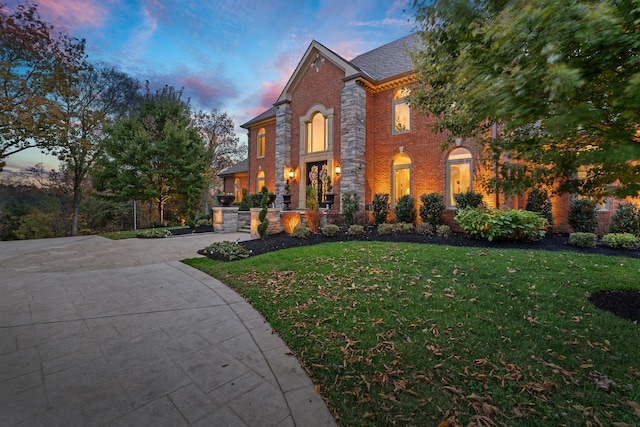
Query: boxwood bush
pixel 432 209
pixel 583 240
pixel 406 209
pixel 626 219
pixel 620 240
pixel 582 216
pixel 491 224
pixel 380 206
pixel 330 230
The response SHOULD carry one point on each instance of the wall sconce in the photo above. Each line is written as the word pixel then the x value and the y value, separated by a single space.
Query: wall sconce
pixel 292 174
pixel 338 170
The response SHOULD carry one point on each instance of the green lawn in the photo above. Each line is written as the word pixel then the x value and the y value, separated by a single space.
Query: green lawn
pixel 410 334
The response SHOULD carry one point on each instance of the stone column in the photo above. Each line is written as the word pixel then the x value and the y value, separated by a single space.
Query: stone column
pixel 225 220
pixel 283 149
pixel 353 140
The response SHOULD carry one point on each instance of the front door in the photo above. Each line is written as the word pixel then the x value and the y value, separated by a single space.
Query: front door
pixel 315 173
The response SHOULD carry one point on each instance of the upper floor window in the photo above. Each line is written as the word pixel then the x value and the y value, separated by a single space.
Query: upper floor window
pixel 262 142
pixel 317 133
pixel 459 174
pixel 401 112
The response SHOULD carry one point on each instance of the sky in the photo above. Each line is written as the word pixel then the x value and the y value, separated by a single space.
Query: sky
pixel 232 55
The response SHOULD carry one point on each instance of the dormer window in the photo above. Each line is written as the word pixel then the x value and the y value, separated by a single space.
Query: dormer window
pixel 401 112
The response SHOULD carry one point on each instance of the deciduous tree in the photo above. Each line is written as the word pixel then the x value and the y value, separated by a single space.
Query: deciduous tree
pixel 155 153
pixel 90 101
pixel 33 59
pixel 217 131
pixel 561 78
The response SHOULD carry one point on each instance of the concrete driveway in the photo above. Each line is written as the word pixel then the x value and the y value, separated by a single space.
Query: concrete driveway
pixel 97 332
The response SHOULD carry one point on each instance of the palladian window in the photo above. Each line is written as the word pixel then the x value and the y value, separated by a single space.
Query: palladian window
pixel 401 112
pixel 459 174
pixel 401 177
pixel 316 133
pixel 262 142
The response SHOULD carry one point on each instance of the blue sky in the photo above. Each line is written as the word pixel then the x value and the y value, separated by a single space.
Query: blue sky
pixel 233 55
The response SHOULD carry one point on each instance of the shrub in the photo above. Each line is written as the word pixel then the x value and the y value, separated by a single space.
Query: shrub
pixel 621 240
pixel 386 229
pixel 511 224
pixel 264 222
pixel 626 219
pixel 443 231
pixel 362 218
pixel 538 201
pixel 406 209
pixel 350 205
pixel 432 209
pixel 334 217
pixel 380 206
pixel 468 200
pixel 202 222
pixel 582 216
pixel 301 232
pixel 227 250
pixel 330 230
pixel 290 220
pixel 247 201
pixel 355 230
pixel 153 234
pixel 425 229
pixel 404 227
pixel 311 201
pixel 313 217
pixel 583 240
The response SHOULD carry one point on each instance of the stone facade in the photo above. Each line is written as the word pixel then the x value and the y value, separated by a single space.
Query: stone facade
pixel 353 149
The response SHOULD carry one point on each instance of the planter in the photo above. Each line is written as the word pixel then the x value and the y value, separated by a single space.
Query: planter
pixel 329 199
pixel 257 199
pixel 226 200
pixel 286 199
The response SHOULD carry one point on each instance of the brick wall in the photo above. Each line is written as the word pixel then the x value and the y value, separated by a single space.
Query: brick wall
pixel 266 163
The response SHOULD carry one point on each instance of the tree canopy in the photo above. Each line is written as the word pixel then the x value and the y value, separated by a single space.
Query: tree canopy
pixel 155 153
pixel 90 101
pixel 34 58
pixel 560 78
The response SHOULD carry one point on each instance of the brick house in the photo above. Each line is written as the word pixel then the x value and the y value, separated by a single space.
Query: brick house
pixel 349 120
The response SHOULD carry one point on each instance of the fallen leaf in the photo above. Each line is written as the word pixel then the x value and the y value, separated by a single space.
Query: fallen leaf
pixel 635 406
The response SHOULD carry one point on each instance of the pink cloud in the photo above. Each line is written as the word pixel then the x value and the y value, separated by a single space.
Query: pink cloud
pixel 207 91
pixel 71 14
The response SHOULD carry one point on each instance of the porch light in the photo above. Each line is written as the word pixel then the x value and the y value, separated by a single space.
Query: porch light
pixel 338 170
pixel 292 174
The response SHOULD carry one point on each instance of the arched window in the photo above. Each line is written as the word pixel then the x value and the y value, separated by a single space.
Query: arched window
pixel 459 174
pixel 260 181
pixel 317 134
pixel 401 185
pixel 401 112
pixel 261 142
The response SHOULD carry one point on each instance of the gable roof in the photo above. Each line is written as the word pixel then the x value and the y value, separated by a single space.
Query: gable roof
pixel 315 50
pixel 241 166
pixel 389 60
pixel 377 66
pixel 265 115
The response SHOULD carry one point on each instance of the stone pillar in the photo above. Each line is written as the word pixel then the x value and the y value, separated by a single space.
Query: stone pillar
pixel 225 220
pixel 275 224
pixel 353 140
pixel 283 149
